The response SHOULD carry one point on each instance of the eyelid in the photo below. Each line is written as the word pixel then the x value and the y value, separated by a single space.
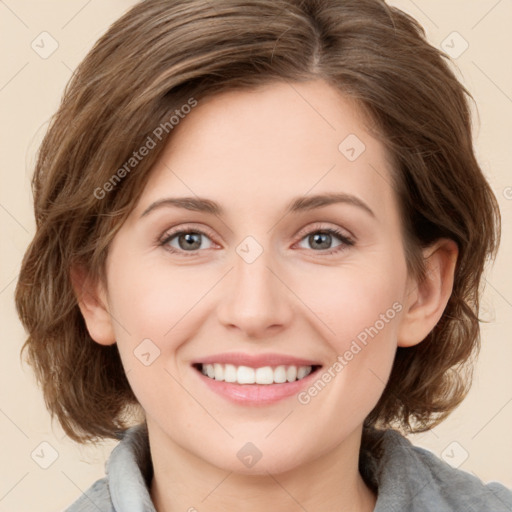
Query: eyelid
pixel 321 226
pixel 347 238
pixel 172 232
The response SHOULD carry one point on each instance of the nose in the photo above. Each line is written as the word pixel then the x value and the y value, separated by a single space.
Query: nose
pixel 255 298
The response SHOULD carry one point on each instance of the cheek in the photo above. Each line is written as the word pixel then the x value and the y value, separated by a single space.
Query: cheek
pixel 156 309
pixel 150 320
pixel 361 310
pixel 352 299
pixel 151 300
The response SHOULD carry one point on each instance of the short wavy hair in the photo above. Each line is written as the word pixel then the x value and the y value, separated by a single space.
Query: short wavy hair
pixel 152 61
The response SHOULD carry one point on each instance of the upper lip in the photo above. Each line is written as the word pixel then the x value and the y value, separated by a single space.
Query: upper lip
pixel 256 360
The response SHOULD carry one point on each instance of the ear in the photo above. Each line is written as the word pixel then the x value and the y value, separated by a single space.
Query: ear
pixel 92 301
pixel 426 300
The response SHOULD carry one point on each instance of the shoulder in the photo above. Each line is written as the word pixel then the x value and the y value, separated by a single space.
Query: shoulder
pixel 128 474
pixel 95 499
pixel 414 479
pixel 462 488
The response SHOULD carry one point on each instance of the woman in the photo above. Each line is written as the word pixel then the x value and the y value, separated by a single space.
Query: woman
pixel 261 225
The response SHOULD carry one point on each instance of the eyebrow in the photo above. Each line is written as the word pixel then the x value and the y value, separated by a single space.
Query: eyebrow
pixel 199 204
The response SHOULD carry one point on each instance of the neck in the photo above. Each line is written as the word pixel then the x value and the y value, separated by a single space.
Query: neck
pixel 184 482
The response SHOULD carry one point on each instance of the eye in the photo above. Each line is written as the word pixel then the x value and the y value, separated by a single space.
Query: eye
pixel 321 239
pixel 186 240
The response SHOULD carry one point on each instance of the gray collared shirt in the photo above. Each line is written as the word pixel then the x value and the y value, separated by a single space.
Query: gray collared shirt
pixel 407 479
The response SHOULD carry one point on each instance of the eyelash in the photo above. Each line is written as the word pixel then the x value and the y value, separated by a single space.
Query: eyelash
pixel 167 237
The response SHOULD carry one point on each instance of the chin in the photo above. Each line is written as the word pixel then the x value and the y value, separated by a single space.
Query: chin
pixel 259 459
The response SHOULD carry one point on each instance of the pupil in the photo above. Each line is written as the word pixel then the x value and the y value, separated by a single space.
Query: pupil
pixel 317 238
pixel 190 239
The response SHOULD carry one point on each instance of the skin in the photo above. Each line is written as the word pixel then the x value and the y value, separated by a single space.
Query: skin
pixel 253 152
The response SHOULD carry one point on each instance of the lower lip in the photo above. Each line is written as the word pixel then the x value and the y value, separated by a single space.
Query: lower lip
pixel 256 394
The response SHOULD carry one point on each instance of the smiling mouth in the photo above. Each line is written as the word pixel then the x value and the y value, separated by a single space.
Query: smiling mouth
pixel 247 375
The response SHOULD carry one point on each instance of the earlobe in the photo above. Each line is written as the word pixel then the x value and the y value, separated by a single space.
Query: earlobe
pixel 427 300
pixel 92 301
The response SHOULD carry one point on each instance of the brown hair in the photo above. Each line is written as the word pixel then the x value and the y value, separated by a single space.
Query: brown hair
pixel 159 56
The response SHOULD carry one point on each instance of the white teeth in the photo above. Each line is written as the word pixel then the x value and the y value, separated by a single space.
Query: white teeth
pixel 265 375
pixel 219 371
pixel 248 375
pixel 210 371
pixel 230 373
pixel 291 373
pixel 280 375
pixel 245 375
pixel 303 371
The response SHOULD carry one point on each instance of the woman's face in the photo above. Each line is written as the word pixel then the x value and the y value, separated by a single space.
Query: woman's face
pixel 290 260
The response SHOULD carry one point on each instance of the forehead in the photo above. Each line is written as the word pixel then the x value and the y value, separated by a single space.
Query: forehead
pixel 251 148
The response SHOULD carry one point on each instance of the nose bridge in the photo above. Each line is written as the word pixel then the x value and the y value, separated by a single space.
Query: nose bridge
pixel 255 299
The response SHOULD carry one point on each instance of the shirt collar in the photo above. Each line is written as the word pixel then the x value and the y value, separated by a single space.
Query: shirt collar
pixel 406 478
pixel 129 472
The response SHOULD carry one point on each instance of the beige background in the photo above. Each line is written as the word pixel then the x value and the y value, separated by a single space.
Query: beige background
pixel 477 437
